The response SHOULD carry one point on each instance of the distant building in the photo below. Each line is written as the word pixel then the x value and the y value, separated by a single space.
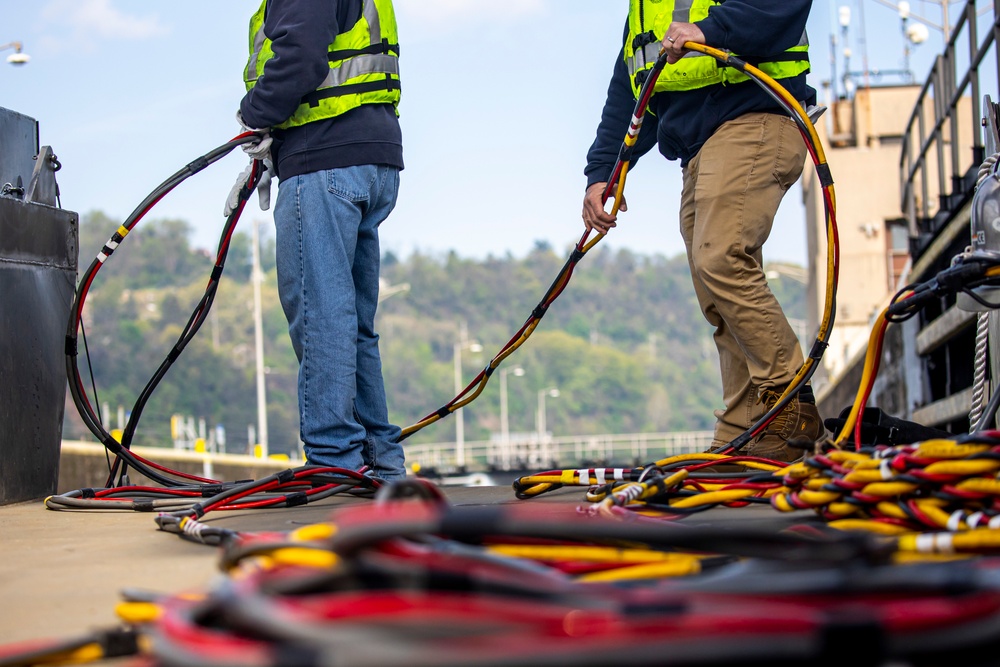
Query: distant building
pixel 862 138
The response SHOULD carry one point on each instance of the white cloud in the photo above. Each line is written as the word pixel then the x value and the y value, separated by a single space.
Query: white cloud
pixel 91 20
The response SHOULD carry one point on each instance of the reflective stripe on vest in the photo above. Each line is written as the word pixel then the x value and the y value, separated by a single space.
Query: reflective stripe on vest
pixel 364 65
pixel 648 23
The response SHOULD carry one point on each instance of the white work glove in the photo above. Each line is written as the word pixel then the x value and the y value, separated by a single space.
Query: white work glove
pixel 263 188
pixel 258 150
pixel 264 185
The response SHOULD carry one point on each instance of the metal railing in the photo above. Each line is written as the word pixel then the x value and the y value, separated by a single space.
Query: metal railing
pixel 932 152
pixel 529 452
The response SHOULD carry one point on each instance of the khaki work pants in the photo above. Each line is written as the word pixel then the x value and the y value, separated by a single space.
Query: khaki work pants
pixel 731 193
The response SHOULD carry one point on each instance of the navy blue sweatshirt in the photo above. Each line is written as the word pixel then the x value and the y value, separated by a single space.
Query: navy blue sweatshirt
pixel 301 32
pixel 684 121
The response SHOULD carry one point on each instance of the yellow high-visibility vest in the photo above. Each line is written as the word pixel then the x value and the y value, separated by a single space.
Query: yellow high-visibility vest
pixel 364 65
pixel 648 21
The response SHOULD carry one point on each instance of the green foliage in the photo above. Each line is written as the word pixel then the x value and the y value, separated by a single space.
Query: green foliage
pixel 625 343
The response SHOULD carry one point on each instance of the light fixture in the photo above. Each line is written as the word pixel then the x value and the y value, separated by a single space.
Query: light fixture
pixel 917 33
pixel 18 57
pixel 845 16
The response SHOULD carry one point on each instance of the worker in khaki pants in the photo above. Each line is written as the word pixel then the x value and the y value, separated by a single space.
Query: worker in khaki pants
pixel 740 153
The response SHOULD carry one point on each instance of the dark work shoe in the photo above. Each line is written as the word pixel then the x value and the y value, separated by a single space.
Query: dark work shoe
pixel 796 428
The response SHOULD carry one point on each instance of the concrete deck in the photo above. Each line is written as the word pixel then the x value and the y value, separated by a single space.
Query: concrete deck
pixel 62 572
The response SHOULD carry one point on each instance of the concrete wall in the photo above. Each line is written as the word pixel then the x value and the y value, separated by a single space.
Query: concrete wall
pixel 84 465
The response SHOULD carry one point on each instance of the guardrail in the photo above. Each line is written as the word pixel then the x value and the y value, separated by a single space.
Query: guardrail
pixel 932 142
pixel 942 150
pixel 534 453
pixel 85 464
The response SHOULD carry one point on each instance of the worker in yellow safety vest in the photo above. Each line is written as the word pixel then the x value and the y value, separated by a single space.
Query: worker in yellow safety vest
pixel 739 153
pixel 323 88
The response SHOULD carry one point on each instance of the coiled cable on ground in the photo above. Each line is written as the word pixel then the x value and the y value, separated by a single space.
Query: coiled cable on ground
pixel 419 582
pixel 288 488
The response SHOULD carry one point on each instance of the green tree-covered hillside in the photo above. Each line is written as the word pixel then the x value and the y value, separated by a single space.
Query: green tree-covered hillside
pixel 625 343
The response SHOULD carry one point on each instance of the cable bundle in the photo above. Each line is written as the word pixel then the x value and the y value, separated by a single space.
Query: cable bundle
pixel 124 457
pixel 418 582
pixel 938 496
pixel 668 488
pixel 180 507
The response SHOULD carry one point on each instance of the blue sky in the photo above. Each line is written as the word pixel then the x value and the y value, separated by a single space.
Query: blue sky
pixel 500 102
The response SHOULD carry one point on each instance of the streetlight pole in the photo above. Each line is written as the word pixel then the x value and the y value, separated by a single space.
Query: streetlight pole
pixel 472 346
pixel 258 334
pixel 543 444
pixel 844 17
pixel 504 424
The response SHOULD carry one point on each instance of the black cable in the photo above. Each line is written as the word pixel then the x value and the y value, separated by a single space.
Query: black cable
pixel 90 417
pixel 970 292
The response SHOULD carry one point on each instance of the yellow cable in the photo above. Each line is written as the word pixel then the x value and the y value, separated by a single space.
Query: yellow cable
pixel 591 554
pixel 868 526
pixel 313 533
pixel 84 654
pixel 321 559
pixel 849 459
pixel 889 489
pixel 965 467
pixel 138 613
pixel 780 503
pixel 679 458
pixel 818 498
pixel 891 510
pixel 931 508
pixel 866 476
pixel 907 557
pixel 980 485
pixel 866 378
pixel 705 456
pixel 537 489
pixel 681 568
pixel 817 146
pixel 842 509
pixel 712 498
pixel 630 140
pixel 939 448
pixel 773 85
pixel 980 539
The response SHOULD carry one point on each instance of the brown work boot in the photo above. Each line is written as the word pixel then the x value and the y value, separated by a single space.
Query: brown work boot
pixel 799 423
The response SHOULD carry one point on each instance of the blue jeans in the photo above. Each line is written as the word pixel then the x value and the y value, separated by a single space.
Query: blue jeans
pixel 328 272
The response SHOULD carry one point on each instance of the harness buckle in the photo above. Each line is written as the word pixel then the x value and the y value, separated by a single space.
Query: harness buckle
pixel 641 40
